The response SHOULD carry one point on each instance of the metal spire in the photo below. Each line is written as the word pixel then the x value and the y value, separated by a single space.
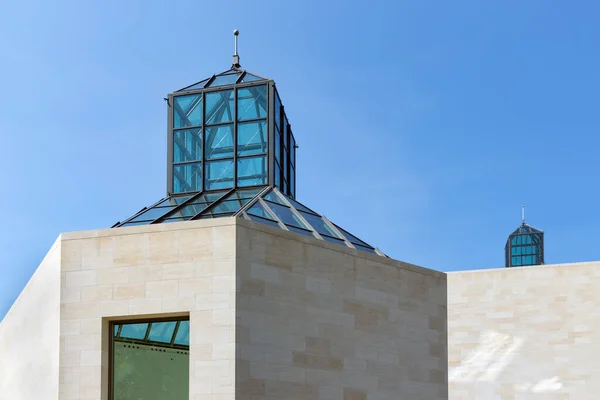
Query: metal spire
pixel 236 57
pixel 523 214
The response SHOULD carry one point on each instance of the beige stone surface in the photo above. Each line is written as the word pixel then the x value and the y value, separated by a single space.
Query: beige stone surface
pixel 29 336
pixel 320 321
pixel 140 272
pixel 273 315
pixel 525 333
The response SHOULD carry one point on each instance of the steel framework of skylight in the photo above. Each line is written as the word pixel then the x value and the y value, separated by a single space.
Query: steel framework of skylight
pixel 231 152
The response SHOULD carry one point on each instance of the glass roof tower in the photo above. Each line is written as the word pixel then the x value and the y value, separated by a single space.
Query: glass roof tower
pixel 525 246
pixel 231 152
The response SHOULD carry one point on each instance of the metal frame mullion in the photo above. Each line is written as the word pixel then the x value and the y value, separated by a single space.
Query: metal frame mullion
pixel 252 202
pixel 298 215
pixel 211 206
pixel 241 77
pixel 274 217
pixel 271 134
pixel 235 137
pixel 177 208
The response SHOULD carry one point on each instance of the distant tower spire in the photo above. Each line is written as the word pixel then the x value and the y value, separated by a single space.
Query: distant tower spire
pixel 236 56
pixel 523 214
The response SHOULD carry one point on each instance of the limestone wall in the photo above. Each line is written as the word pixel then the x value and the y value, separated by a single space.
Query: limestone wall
pixel 318 321
pixel 29 336
pixel 163 270
pixel 525 333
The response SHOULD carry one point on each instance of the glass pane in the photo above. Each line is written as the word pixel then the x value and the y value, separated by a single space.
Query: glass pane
pixel 222 80
pixel 152 214
pixel 190 210
pixel 245 193
pixel 277 175
pixel 198 85
pixel 252 138
pixel 292 182
pixel 187 110
pixel 274 197
pixel 177 200
pixel 149 371
pixel 351 238
pixel 219 141
pixel 299 206
pixel 136 223
pixel 187 145
pixel 293 150
pixel 252 102
pixel 277 147
pixel 284 132
pixel 219 174
pixel 333 240
pixel 252 171
pixel 265 221
pixel 277 111
pixel 319 225
pixel 219 106
pixel 229 206
pixel 258 210
pixel 187 177
pixel 251 78
pixel 286 215
pixel 208 198
pixel 364 248
pixel 183 334
pixel 134 331
pixel 284 164
pixel 116 328
pixel 162 331
pixel 211 215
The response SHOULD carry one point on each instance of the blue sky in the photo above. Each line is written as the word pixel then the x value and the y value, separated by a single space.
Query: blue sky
pixel 423 126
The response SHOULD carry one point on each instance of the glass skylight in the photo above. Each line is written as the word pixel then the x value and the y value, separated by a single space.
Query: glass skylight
pixel 262 204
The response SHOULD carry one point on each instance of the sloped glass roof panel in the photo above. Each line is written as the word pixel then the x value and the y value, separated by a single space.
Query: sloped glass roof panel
pixel 219 107
pixel 271 208
pixel 286 215
pixel 319 225
pixel 251 78
pixel 266 221
pixel 152 214
pixel 195 86
pixel 225 79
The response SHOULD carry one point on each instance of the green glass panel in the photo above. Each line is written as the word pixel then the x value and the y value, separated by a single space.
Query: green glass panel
pixel 252 102
pixel 187 110
pixel 252 138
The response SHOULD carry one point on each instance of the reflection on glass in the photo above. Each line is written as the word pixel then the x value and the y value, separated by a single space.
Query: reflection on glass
pixel 187 110
pixel 152 214
pixel 277 111
pixel 252 138
pixel 277 147
pixel 187 177
pixel 183 333
pixel 219 141
pixel 219 174
pixel 134 331
pixel 251 78
pixel 162 331
pixel 286 215
pixel 252 102
pixel 219 107
pixel 252 171
pixel 187 145
pixel 319 225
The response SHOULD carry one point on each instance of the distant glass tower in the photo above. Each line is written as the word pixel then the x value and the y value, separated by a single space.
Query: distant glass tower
pixel 525 246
